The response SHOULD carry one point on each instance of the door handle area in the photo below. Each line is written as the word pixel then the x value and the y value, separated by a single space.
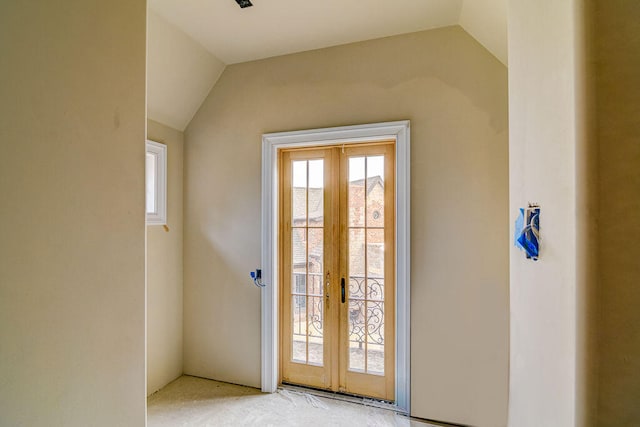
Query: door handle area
pixel 342 296
pixel 328 284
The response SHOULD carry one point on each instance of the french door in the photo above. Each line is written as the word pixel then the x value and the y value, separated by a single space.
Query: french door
pixel 337 244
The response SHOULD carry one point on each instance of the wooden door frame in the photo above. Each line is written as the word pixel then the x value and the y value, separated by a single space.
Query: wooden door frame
pixel 271 144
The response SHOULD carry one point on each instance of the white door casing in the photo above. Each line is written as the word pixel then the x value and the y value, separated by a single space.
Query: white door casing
pixel 367 133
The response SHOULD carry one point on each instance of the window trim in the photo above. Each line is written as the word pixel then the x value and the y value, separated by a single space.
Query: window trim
pixel 160 151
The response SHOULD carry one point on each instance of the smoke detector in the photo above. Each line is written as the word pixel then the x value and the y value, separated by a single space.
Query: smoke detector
pixel 244 3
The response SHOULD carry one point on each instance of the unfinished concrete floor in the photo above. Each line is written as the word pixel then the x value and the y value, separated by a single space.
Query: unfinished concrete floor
pixel 196 402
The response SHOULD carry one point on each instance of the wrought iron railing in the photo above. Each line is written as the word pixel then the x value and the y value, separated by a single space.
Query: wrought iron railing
pixel 371 323
pixel 364 293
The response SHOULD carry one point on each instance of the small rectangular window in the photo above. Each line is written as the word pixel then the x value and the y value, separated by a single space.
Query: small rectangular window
pixel 156 183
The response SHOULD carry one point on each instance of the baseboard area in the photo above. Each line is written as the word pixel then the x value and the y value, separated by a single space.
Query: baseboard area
pixel 366 401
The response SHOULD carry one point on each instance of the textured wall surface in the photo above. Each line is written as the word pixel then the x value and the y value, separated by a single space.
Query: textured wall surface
pixel 164 270
pixel 542 169
pixel 617 48
pixel 455 94
pixel 72 226
pixel 180 73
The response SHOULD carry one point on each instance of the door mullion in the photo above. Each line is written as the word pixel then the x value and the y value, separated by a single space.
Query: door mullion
pixel 306 263
pixel 333 245
pixel 343 325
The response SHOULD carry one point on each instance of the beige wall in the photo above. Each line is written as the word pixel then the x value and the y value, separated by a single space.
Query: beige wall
pixel 180 73
pixel 72 232
pixel 486 21
pixel 455 94
pixel 586 55
pixel 551 162
pixel 164 271
pixel 586 228
pixel 618 111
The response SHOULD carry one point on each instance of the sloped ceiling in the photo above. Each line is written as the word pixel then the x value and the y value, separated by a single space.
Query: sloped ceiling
pixel 191 41
pixel 486 21
pixel 180 73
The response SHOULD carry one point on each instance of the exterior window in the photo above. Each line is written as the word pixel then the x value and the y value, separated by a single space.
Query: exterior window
pixel 156 183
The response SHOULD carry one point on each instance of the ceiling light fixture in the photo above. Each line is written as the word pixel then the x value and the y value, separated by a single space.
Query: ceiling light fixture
pixel 244 3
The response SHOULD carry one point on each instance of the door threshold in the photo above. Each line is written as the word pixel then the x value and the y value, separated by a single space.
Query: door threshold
pixel 344 397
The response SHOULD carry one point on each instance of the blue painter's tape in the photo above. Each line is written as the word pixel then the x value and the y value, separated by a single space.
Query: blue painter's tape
pixel 527 232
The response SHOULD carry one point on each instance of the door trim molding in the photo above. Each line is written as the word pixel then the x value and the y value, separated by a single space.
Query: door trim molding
pixel 271 143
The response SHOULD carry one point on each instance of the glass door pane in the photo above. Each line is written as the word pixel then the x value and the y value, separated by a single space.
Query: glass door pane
pixel 365 247
pixel 337 282
pixel 307 262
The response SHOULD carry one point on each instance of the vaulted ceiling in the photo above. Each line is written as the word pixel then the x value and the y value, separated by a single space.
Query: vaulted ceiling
pixel 222 33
